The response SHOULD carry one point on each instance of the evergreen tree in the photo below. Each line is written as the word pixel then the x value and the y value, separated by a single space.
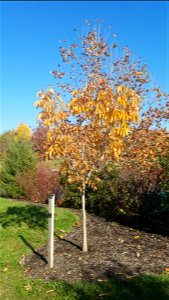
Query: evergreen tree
pixel 19 158
pixel 6 139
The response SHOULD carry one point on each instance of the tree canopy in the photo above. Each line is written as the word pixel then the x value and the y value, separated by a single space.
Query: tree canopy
pixel 108 101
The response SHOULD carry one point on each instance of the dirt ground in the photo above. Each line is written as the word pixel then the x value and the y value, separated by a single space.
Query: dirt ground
pixel 114 251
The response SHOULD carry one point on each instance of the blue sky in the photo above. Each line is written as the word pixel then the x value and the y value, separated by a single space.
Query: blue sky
pixel 29 41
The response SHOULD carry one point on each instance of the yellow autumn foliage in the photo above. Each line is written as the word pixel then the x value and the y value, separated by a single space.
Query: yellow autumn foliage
pixel 107 116
pixel 22 132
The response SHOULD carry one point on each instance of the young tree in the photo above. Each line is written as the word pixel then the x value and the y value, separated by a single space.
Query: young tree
pixel 87 130
pixel 100 123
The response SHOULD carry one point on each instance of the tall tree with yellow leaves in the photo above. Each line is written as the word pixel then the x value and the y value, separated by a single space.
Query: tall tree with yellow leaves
pixel 22 132
pixel 87 129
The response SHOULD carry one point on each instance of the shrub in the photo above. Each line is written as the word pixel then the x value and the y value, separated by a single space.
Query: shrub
pixel 122 197
pixel 71 196
pixel 99 201
pixel 38 184
pixel 164 163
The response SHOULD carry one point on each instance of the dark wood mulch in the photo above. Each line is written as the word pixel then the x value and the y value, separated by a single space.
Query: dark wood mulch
pixel 114 251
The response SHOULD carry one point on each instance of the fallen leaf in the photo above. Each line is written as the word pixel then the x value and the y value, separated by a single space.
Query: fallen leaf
pixel 100 280
pixel 26 270
pixel 138 254
pixel 120 240
pixel 78 223
pixel 136 237
pixel 62 230
pixel 61 236
pixel 22 260
pixel 5 269
pixel 28 287
pixel 166 270
pixel 49 291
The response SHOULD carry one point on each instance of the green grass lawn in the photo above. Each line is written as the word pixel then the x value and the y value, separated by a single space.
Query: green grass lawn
pixel 21 222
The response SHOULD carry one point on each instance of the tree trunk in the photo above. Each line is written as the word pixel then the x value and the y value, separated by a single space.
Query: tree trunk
pixel 85 248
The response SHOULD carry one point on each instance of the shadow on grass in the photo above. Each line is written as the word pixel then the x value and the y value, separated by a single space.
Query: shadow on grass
pixel 143 287
pixel 33 216
pixel 33 250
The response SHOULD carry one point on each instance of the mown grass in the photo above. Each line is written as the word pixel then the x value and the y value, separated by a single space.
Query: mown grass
pixel 28 223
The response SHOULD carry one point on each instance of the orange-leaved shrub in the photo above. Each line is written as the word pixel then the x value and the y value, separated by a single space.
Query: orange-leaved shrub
pixel 38 184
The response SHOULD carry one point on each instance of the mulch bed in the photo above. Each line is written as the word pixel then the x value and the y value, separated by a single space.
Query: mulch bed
pixel 115 251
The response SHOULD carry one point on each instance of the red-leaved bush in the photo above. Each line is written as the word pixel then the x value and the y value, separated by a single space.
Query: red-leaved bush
pixel 37 185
